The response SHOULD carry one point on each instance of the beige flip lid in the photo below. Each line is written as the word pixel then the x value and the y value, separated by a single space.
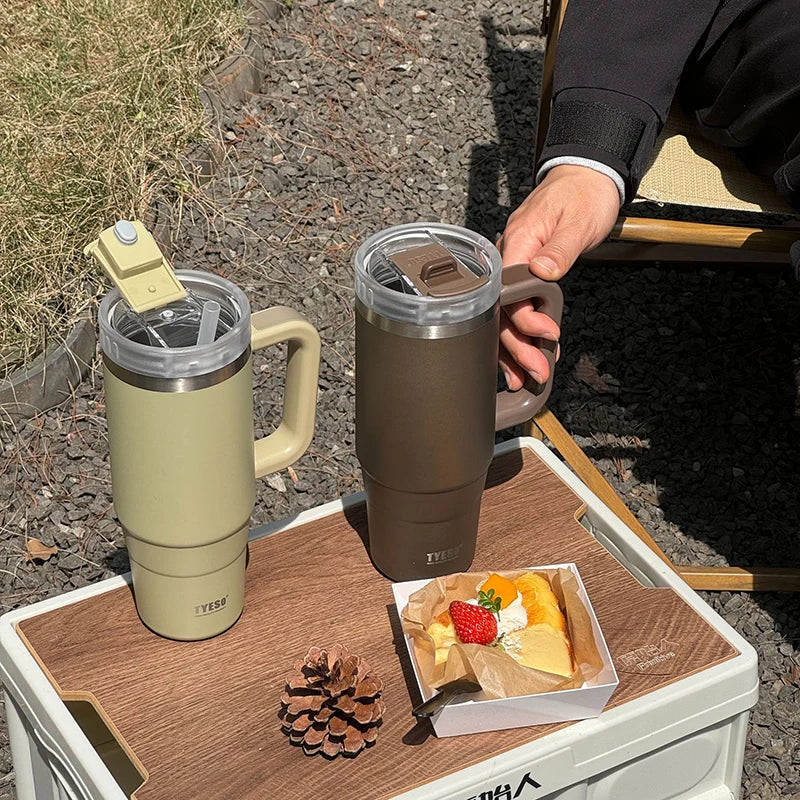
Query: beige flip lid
pixel 131 258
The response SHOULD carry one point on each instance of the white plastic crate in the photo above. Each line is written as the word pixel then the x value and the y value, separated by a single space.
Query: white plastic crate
pixel 683 742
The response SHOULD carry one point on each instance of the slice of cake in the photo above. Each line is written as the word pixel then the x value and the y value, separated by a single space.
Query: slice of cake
pixel 522 616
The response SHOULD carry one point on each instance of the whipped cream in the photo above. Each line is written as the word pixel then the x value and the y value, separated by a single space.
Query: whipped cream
pixel 513 617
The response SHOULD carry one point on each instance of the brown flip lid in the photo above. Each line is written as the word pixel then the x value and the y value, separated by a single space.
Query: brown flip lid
pixel 435 271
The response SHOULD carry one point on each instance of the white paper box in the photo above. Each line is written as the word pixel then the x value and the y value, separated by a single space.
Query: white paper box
pixel 474 713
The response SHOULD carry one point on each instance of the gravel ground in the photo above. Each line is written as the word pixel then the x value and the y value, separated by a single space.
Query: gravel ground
pixel 680 383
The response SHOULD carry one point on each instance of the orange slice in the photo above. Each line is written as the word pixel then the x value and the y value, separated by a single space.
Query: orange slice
pixel 503 588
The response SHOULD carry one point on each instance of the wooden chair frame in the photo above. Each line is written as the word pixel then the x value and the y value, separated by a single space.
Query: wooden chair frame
pixel 635 238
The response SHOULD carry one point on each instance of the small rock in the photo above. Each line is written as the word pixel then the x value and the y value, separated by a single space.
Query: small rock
pixel 70 561
pixel 276 482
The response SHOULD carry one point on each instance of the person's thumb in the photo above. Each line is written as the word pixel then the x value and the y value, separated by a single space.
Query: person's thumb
pixel 519 244
pixel 559 252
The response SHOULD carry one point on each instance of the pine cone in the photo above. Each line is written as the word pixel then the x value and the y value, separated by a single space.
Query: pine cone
pixel 332 703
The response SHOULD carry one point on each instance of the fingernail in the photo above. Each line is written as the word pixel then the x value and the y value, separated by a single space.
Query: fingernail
pixel 536 376
pixel 546 264
pixel 507 375
pixel 551 337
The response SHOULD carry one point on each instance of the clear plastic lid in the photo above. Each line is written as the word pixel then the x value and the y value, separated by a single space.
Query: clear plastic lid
pixel 428 274
pixel 206 330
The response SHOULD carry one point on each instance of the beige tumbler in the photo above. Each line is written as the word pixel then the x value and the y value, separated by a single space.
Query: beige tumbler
pixel 179 404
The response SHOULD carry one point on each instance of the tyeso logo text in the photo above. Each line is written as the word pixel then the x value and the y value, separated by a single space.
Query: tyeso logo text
pixel 438 556
pixel 209 608
pixel 649 655
pixel 505 791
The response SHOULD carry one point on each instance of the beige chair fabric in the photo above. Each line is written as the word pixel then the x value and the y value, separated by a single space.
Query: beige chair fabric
pixel 687 170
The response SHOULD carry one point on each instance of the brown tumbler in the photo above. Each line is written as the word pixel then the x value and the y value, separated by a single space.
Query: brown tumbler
pixel 428 300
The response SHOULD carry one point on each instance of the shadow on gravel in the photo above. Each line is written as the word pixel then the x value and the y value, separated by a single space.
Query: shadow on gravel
pixel 701 366
pixel 700 363
pixel 515 75
pixel 117 561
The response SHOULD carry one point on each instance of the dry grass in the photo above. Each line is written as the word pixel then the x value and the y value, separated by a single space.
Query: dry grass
pixel 99 96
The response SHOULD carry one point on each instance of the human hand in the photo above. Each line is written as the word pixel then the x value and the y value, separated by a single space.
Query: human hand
pixel 571 211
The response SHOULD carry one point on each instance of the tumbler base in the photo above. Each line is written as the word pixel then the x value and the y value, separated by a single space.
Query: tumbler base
pixel 415 535
pixel 188 607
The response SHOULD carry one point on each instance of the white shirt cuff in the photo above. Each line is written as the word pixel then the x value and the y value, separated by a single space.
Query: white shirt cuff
pixel 577 161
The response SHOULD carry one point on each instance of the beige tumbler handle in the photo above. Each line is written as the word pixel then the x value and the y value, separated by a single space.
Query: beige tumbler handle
pixel 293 435
pixel 519 283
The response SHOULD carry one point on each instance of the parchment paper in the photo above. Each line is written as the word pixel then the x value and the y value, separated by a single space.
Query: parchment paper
pixel 495 670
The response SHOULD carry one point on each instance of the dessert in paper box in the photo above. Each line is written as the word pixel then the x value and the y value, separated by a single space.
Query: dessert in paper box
pixel 516 633
pixel 521 617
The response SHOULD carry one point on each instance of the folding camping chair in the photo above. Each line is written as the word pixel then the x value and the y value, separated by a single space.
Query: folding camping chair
pixel 685 170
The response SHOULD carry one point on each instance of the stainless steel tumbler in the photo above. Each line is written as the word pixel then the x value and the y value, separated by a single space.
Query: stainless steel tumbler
pixel 179 401
pixel 428 300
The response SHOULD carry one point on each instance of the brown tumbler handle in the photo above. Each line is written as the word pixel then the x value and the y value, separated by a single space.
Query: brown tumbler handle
pixel 519 283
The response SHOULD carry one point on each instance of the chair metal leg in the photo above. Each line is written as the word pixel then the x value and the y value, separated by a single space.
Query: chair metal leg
pixel 761 579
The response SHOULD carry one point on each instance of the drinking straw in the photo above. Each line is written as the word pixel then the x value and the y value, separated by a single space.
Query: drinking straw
pixel 208 322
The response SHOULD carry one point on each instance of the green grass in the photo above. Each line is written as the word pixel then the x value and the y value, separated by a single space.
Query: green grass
pixel 99 97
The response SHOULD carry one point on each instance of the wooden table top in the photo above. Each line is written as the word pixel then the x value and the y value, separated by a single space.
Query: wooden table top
pixel 201 718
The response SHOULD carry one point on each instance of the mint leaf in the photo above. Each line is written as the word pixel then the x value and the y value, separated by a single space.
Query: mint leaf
pixel 489 601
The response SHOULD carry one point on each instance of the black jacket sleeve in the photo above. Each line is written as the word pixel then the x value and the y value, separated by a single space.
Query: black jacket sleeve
pixel 618 64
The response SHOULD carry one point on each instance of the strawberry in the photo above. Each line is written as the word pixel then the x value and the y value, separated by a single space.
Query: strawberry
pixel 473 624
